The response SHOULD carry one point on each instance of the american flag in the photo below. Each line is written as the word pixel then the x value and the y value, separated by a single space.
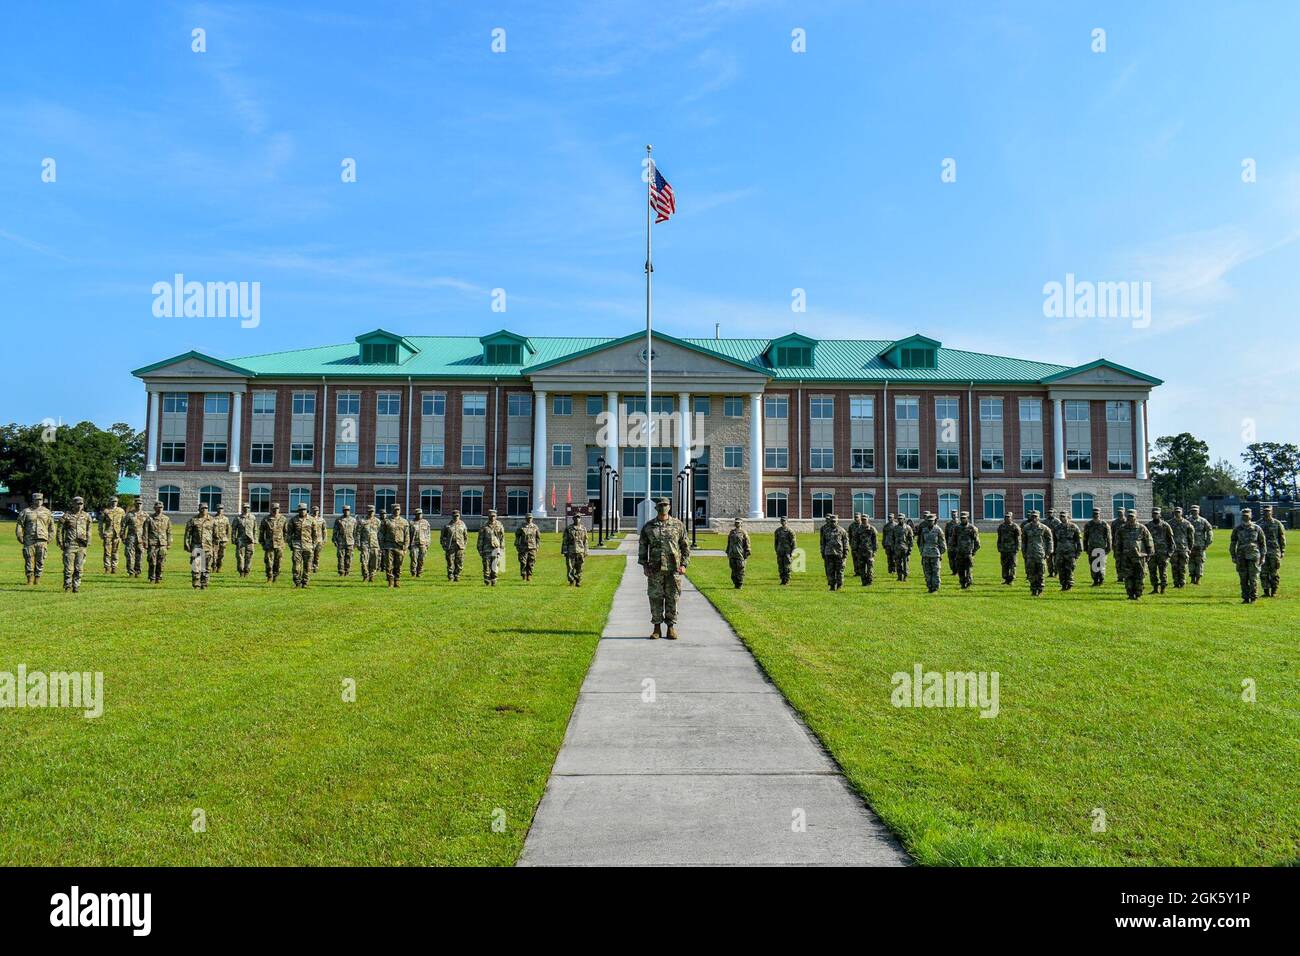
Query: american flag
pixel 661 198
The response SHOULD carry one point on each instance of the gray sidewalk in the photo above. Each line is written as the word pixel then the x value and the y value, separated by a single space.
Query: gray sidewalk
pixel 681 752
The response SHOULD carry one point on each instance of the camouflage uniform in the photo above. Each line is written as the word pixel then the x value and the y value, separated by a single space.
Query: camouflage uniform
pixel 784 542
pixel 949 530
pixel 394 533
pixel 200 544
pixel 418 545
pixel 904 538
pixel 368 543
pixel 933 542
pixel 1184 532
pixel 864 552
pixel 888 540
pixel 834 546
pixel 301 533
pixel 157 542
pixel 663 553
pixel 738 551
pixel 344 535
pixel 1067 547
pixel 492 548
pixel 1116 526
pixel 271 535
pixel 1038 547
pixel 1248 548
pixel 966 543
pixel 454 540
pixel 319 546
pixel 574 548
pixel 243 532
pixel 220 536
pixel 35 528
pixel 72 534
pixel 133 540
pixel 1008 547
pixel 1158 566
pixel 1275 538
pixel 855 531
pixel 1132 551
pixel 1096 545
pixel 528 538
pixel 1201 541
pixel 1053 525
pixel 110 534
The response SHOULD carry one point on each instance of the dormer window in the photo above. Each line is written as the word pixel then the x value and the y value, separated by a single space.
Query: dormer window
pixel 794 356
pixel 916 358
pixel 503 353
pixel 379 353
pixel 384 348
pixel 915 351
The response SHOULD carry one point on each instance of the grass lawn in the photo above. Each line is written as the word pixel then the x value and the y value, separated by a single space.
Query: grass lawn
pixel 1135 709
pixel 230 701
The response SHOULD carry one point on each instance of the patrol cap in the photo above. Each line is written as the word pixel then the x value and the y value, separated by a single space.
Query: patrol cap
pixel 203 505
pixel 492 511
pixel 1155 511
pixel 275 506
pixel 113 500
pixel 964 514
pixel 663 503
pixel 1033 514
pixel 78 500
pixel 737 522
pixel 1245 512
pixel 221 507
pixel 302 506
pixel 347 508
pixel 455 512
pixel 38 497
pixel 418 511
pixel 1178 510
pixel 1268 507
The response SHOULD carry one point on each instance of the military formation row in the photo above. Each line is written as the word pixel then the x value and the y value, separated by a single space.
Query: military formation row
pixel 375 544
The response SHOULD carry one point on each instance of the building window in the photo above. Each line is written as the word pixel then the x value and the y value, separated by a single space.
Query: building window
pixel 909 505
pixel 907 459
pixel 823 504
pixel 471 456
pixel 793 356
pixel 1081 506
pixel 917 358
pixel 388 403
pixel 433 455
pixel 1033 502
pixel 992 459
pixel 475 404
pixel 562 456
pixel 776 458
pixel 385 498
pixel 301 453
pixel 778 504
pixel 945 459
pixel 776 406
pixel 434 403
pixel 504 354
pixel 1119 436
pixel 431 501
pixel 259 499
pixel 990 409
pixel 595 405
pixel 175 403
pixel 347 454
pixel 345 496
pixel 562 405
pixel 471 501
pixel 1119 459
pixel 516 503
pixel 304 403
pixel 379 353
pixel 822 406
pixel 519 405
pixel 733 456
pixel 214 453
pixel 821 459
pixel 593 470
pixel 172 453
pixel 1031 459
pixel 862 459
pixel 385 453
pixel 994 507
pixel 170 496
pixel 907 434
pixel 347 404
pixel 733 406
pixel 216 403
pixel 261 453
pixel 864 503
pixel 519 456
pixel 299 495
pixel 1031 434
pixel 264 403
pixel 949 505
pixel 1121 503
pixel 1078 437
pixel 703 405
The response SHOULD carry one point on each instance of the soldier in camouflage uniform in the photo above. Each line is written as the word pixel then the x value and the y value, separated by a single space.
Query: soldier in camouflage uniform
pixel 1038 546
pixel 492 547
pixel 110 533
pixel 574 548
pixel 738 551
pixel 784 542
pixel 1275 538
pixel 319 522
pixel 864 553
pixel 421 539
pixel 394 533
pixel 454 540
pixel 888 536
pixel 1133 549
pixel 157 542
pixel 528 538
pixel 904 539
pixel 663 552
pixel 221 535
pixel 1116 526
pixel 1008 547
pixel 1053 525
pixel 368 543
pixel 1158 566
pixel 854 531
pixel 966 542
pixel 301 533
pixel 933 542
pixel 1067 547
pixel 949 532
pixel 243 534
pixel 35 528
pixel 1184 532
pixel 834 548
pixel 133 539
pixel 200 544
pixel 344 535
pixel 271 535
pixel 1248 548
pixel 72 535
pixel 1201 541
pixel 1096 545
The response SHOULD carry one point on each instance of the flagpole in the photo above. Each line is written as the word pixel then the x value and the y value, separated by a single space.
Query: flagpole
pixel 649 349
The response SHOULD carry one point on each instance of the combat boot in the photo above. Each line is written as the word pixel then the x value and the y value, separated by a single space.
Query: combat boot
pixel 654 633
pixel 672 633
pixel 29 579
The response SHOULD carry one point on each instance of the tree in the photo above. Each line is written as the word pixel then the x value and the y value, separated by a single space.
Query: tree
pixel 130 461
pixel 1179 468
pixel 61 462
pixel 1272 468
pixel 1222 480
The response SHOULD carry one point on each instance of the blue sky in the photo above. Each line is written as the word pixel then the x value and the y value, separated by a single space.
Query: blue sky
pixel 521 171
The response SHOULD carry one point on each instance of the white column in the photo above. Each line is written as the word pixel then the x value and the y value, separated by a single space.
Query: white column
pixel 151 459
pixel 611 431
pixel 683 429
pixel 756 454
pixel 237 428
pixel 1058 438
pixel 1140 440
pixel 540 453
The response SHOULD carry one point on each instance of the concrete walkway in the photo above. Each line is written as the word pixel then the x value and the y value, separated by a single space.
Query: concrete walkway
pixel 681 752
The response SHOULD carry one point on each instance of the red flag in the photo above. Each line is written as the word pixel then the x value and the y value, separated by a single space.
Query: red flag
pixel 552 494
pixel 568 494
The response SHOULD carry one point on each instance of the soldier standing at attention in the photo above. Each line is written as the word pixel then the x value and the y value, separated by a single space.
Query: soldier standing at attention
pixel 394 533
pixel 300 532
pixel 949 538
pixel 35 528
pixel 1183 533
pixel 454 539
pixel 663 553
pixel 1133 549
pixel 271 535
pixel 421 538
pixel 1054 526
pixel 904 539
pixel 492 547
pixel 1068 546
pixel 738 552
pixel 933 542
pixel 1038 546
pixel 867 542
pixel 319 546
pixel 243 533
pixel 966 542
pixel 1248 548
pixel 1163 536
pixel 574 548
pixel 855 531
pixel 221 537
pixel 887 539
pixel 110 533
pixel 1201 542
pixel 368 543
pixel 1275 539
pixel 133 539
pixel 1097 544
pixel 344 535
pixel 528 538
pixel 73 535
pixel 200 543
pixel 1008 547
pixel 784 542
pixel 834 546
pixel 157 541
pixel 1116 526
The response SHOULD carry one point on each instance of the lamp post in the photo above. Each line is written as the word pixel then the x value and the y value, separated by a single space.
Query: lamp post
pixel 616 517
pixel 600 507
pixel 690 498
